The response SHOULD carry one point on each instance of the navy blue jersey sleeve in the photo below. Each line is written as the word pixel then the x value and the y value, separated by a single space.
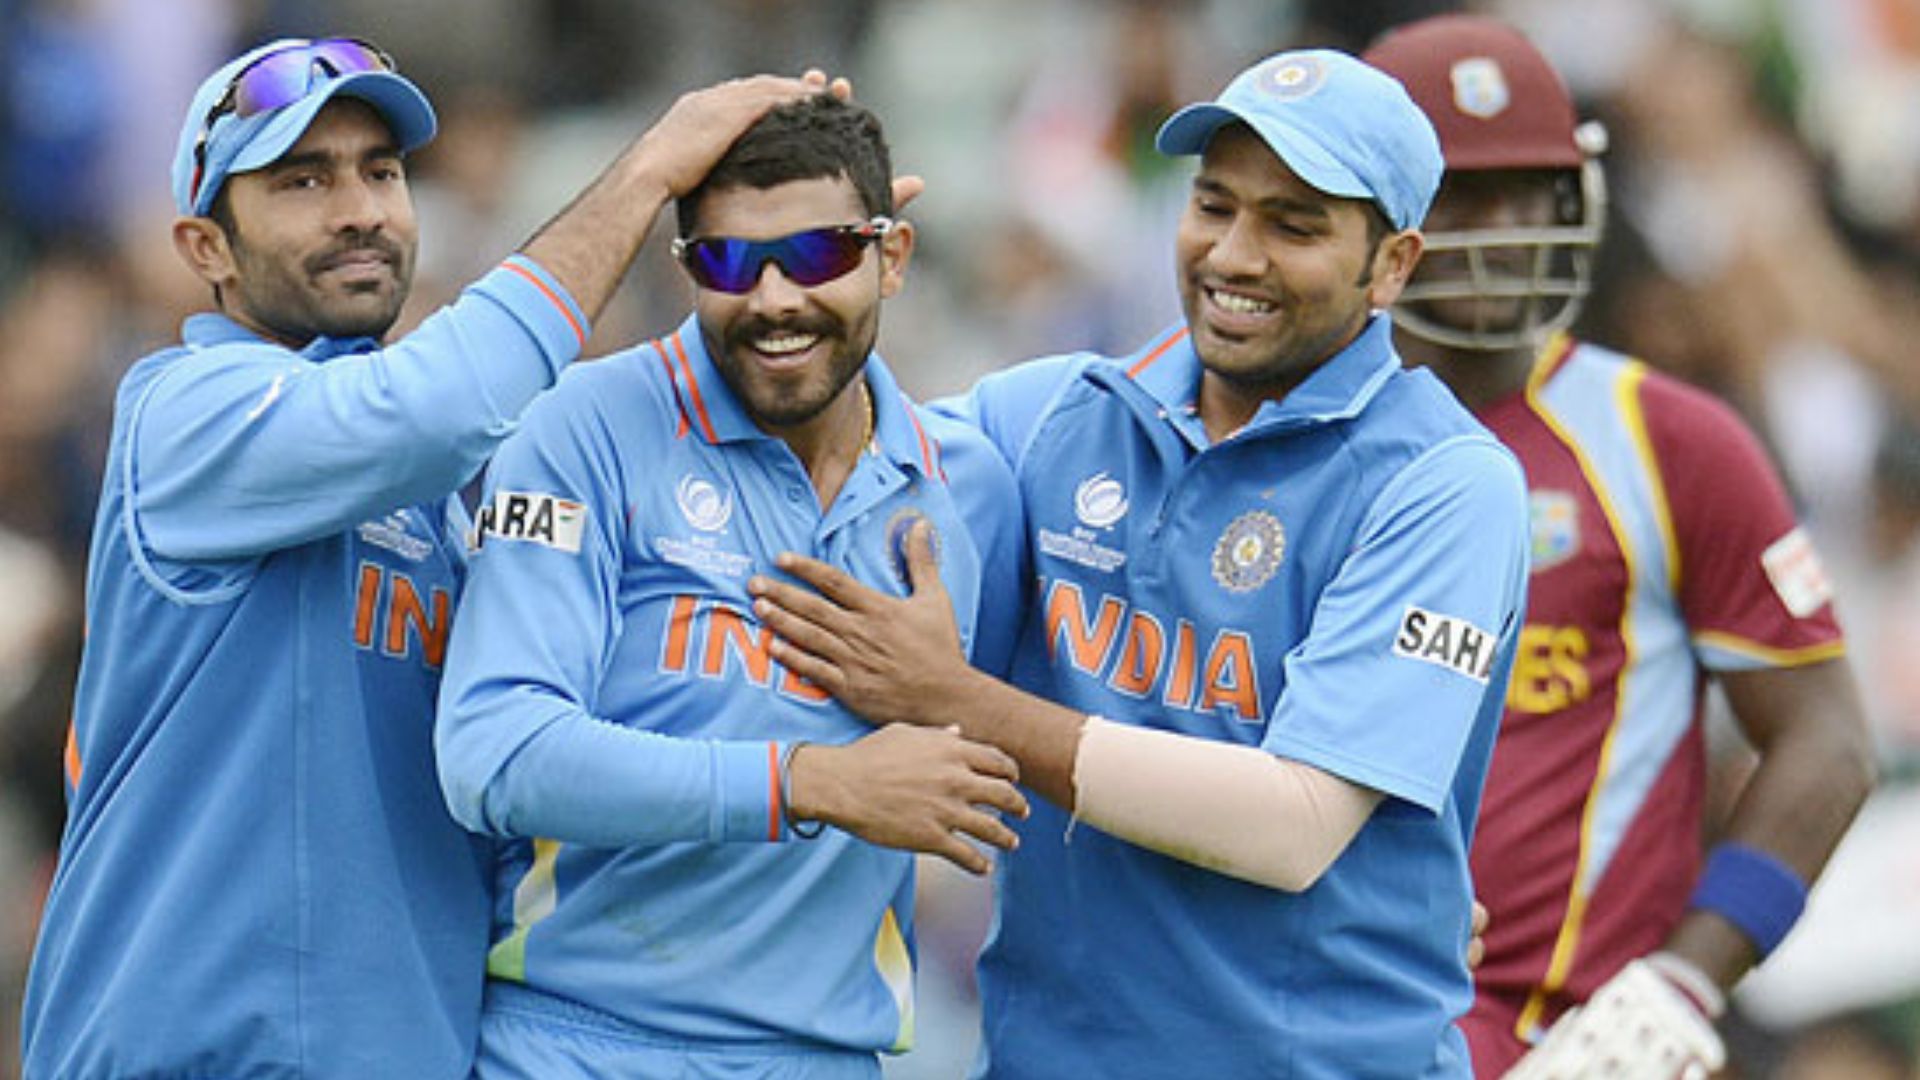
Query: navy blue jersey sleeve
pixel 243 448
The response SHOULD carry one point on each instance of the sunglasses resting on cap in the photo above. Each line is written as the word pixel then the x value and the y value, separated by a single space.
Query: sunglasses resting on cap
pixel 284 76
pixel 808 258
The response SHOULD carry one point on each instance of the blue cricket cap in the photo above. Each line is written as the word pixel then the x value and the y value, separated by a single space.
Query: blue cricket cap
pixel 237 144
pixel 1343 127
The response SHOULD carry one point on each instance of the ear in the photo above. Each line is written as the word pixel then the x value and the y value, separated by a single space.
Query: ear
pixel 202 244
pixel 896 250
pixel 1393 263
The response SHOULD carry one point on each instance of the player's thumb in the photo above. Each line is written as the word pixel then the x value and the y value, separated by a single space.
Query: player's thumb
pixel 923 567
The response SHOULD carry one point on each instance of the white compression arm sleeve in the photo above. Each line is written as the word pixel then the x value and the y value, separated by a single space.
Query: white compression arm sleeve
pixel 1233 809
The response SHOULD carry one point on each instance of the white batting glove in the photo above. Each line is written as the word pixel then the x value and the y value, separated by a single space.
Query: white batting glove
pixel 1641 1025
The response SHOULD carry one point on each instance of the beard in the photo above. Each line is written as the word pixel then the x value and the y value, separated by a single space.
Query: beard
pixel 287 300
pixel 779 402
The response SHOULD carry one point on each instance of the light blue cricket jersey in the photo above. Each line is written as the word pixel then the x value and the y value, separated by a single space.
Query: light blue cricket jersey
pixel 1330 584
pixel 610 698
pixel 258 876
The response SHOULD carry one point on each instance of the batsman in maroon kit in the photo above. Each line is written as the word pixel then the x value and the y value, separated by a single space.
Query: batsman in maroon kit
pixel 1665 554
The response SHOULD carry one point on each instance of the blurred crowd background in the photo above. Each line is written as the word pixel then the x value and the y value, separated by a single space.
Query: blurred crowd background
pixel 1764 241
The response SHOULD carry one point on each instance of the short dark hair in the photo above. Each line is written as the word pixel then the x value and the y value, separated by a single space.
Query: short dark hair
pixel 1378 229
pixel 819 136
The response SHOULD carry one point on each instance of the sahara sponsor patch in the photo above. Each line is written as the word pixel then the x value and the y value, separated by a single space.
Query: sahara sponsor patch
pixel 1447 641
pixel 533 517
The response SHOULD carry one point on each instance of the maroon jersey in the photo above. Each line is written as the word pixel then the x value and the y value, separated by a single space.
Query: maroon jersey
pixel 1664 548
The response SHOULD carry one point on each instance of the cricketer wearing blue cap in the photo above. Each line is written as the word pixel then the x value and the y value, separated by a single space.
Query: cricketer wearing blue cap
pixel 258 876
pixel 1277 587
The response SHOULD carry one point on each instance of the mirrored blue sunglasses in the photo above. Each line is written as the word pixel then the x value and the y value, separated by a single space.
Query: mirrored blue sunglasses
pixel 285 75
pixel 808 258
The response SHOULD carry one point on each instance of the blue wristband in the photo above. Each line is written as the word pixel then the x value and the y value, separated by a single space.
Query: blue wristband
pixel 1752 890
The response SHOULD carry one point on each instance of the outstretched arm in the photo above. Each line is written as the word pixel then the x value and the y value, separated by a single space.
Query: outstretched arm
pixel 898 660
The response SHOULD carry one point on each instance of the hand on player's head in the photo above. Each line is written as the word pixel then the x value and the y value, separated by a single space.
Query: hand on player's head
pixel 683 146
pixel 839 86
pixel 906 189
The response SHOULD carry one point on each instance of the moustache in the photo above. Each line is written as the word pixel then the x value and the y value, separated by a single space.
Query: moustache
pixel 382 247
pixel 746 331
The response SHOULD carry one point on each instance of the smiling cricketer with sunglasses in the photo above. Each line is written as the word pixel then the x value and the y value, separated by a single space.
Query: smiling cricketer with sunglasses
pixel 674 903
pixel 258 874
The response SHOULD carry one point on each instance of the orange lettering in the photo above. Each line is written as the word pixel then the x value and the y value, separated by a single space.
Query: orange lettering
pixel 366 604
pixel 1141 656
pixel 1180 685
pixel 1230 677
pixel 1066 617
pixel 728 634
pixel 794 686
pixel 405 610
pixel 679 635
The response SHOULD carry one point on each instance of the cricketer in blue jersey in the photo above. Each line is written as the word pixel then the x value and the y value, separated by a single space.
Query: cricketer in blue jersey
pixel 258 876
pixel 1276 585
pixel 672 904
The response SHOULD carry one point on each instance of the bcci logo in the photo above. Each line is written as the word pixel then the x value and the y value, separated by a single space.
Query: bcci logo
pixel 1099 501
pixel 1479 88
pixel 898 527
pixel 705 507
pixel 1249 551
pixel 1295 77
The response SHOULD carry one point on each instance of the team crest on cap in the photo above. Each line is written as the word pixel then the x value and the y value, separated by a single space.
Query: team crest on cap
pixel 1249 551
pixel 1294 77
pixel 1555 520
pixel 1480 87
pixel 705 507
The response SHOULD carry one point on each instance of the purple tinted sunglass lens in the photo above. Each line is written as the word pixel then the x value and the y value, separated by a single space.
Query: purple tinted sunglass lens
pixel 809 258
pixel 282 78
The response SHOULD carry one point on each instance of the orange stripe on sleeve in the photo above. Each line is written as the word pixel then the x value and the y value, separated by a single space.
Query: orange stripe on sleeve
pixel 73 757
pixel 773 791
pixel 546 290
